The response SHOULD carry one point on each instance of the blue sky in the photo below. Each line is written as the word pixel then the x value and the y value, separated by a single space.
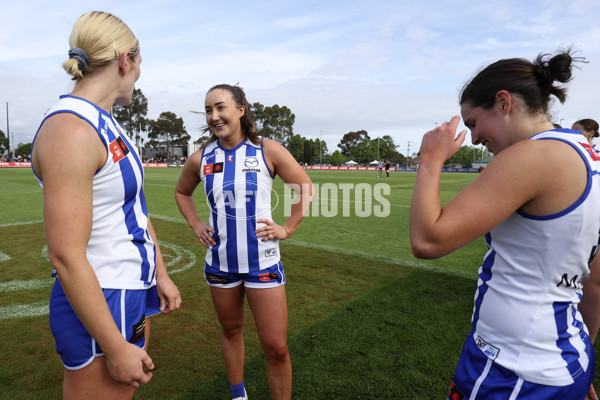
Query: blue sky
pixel 388 67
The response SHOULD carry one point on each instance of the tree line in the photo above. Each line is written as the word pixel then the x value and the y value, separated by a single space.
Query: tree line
pixel 273 122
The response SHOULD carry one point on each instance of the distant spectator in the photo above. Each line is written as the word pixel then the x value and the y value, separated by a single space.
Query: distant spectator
pixel 588 128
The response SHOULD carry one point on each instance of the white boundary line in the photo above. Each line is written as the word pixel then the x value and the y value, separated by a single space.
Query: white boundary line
pixel 368 256
pixel 42 308
pixel 21 223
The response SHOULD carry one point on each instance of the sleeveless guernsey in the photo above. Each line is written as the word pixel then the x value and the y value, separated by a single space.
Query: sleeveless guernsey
pixel 526 315
pixel 238 186
pixel 120 249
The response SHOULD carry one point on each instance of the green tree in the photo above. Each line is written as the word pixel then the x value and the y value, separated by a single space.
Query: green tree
pixel 386 147
pixel 394 157
pixel 4 143
pixel 296 147
pixel 133 117
pixel 337 158
pixel 365 151
pixel 319 149
pixel 23 150
pixel 274 122
pixel 350 140
pixel 168 131
pixel 466 155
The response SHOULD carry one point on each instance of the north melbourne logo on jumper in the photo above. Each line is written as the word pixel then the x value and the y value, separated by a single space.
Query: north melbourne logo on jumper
pixel 215 168
pixel 118 149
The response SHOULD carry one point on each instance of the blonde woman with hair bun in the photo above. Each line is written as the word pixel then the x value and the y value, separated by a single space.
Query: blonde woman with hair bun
pixel 110 273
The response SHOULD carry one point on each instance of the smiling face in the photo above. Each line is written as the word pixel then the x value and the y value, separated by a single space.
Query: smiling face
pixel 223 117
pixel 486 126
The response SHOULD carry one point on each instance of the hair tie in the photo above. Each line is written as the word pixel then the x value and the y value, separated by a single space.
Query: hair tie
pixel 82 58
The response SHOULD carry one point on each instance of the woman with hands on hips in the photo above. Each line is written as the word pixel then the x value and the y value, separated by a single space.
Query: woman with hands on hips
pixel 237 169
pixel 537 206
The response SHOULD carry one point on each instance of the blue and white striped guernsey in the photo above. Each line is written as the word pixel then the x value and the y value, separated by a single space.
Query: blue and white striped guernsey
pixel 120 250
pixel 526 315
pixel 238 184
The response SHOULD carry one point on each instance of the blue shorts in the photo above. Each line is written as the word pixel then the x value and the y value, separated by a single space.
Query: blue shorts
pixel 263 279
pixel 129 309
pixel 478 377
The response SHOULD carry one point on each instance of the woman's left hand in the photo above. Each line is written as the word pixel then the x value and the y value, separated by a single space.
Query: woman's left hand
pixel 170 298
pixel 271 231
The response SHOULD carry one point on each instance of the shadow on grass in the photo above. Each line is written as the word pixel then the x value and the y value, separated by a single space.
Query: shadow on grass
pixel 401 340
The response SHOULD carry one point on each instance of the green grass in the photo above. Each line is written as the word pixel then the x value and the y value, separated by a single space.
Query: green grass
pixel 366 319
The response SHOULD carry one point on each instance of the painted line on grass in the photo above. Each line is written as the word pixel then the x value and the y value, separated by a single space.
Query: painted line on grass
pixel 374 257
pixel 24 310
pixel 389 260
pixel 43 308
pixel 21 223
pixel 4 256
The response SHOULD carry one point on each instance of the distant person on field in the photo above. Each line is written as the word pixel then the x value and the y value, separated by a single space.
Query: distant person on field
pixel 380 168
pixel 387 169
pixel 111 276
pixel 540 219
pixel 237 169
pixel 588 128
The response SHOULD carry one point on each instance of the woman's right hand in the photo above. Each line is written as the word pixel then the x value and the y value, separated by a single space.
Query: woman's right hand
pixel 126 364
pixel 204 234
pixel 442 142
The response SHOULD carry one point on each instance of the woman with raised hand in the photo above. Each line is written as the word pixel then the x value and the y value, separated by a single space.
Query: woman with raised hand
pixel 537 205
pixel 110 271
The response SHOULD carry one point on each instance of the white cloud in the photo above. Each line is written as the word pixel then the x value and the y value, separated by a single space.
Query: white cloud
pixel 386 67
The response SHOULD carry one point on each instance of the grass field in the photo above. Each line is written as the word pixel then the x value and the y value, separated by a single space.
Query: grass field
pixel 366 319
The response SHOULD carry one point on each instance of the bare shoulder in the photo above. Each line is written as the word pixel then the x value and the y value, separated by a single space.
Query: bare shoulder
pixel 71 140
pixel 66 129
pixel 541 155
pixel 273 147
pixel 549 173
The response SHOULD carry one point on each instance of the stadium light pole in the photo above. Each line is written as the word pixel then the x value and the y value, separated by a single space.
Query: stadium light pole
pixel 8 133
pixel 320 140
